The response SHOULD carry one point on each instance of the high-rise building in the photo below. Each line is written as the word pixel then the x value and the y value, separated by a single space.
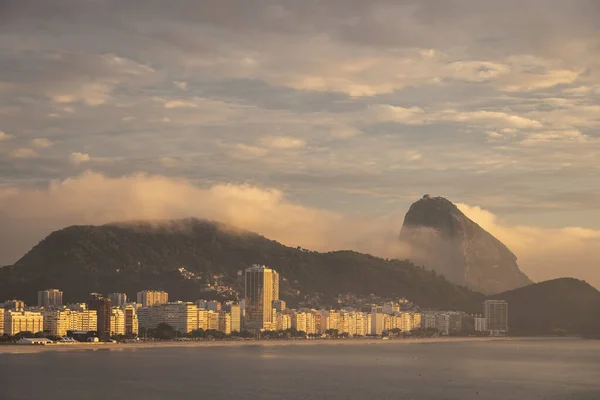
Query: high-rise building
pixel 117 299
pixel 84 320
pixel 50 298
pixel 103 309
pixel 480 323
pixel 22 321
pixel 259 298
pixel 117 321
pixel 213 320
pixel 131 320
pixel 236 316
pixel 376 320
pixel 225 322
pixel 275 285
pixel 181 316
pixel 202 318
pixel 148 298
pixel 58 322
pixel 283 322
pixel 299 321
pixel 1 321
pixel 496 314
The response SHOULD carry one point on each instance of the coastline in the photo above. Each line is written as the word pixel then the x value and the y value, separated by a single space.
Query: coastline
pixel 31 349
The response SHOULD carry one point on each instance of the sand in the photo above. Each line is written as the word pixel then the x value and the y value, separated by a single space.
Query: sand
pixel 28 349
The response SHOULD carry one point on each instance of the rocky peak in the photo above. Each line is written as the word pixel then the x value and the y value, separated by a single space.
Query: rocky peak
pixel 444 239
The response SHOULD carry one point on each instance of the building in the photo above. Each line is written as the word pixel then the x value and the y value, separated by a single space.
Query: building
pixel 15 305
pixel 149 298
pixel 283 322
pixel 182 316
pixel 84 320
pixel 376 320
pixel 117 299
pixel 259 298
pixel 299 321
pixel 117 322
pixel 22 321
pixel 131 320
pixel 212 320
pixel 1 321
pixel 275 295
pixel 58 322
pixel 496 314
pixel 224 322
pixel 103 309
pixel 279 305
pixel 50 298
pixel 390 307
pixel 236 316
pixel 480 323
pixel 202 318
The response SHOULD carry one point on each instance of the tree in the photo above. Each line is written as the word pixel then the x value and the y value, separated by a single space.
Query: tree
pixel 197 333
pixel 332 333
pixel 164 332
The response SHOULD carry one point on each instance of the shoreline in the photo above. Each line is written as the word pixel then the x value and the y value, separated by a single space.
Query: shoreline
pixel 60 347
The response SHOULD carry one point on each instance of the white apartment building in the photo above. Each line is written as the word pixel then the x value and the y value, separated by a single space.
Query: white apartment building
pixel 57 322
pixel 117 321
pixel 480 323
pixel 299 321
pixel 224 322
pixel 213 320
pixel 284 321
pixel 22 321
pixel 202 318
pixel 236 316
pixel 376 320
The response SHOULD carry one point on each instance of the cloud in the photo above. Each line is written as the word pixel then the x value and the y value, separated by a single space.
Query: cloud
pixel 180 104
pixel 496 118
pixel 545 253
pixel 79 158
pixel 181 84
pixel 245 151
pixel 385 112
pixel 5 136
pixel 283 142
pixel 41 143
pixel 91 198
pixel 24 153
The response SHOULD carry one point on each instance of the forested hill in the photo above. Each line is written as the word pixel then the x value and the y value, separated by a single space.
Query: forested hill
pixel 564 305
pixel 135 256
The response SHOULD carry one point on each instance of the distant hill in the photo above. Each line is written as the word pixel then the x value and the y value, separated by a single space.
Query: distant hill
pixel 135 256
pixel 447 241
pixel 566 304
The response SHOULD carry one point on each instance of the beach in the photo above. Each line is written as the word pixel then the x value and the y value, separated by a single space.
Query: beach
pixel 27 349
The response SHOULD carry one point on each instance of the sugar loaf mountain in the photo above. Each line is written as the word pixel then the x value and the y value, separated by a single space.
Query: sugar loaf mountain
pixel 465 266
pixel 446 240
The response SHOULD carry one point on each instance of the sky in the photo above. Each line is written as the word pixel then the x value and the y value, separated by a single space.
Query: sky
pixel 315 123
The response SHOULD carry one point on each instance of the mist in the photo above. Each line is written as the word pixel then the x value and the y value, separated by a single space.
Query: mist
pixel 28 215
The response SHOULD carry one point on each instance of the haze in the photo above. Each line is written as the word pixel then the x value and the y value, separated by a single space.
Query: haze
pixel 315 123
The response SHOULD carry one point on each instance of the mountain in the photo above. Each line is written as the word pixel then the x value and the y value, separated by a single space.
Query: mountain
pixel 566 304
pixel 447 241
pixel 135 256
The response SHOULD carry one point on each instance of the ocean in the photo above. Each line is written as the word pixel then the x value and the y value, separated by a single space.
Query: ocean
pixel 523 369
